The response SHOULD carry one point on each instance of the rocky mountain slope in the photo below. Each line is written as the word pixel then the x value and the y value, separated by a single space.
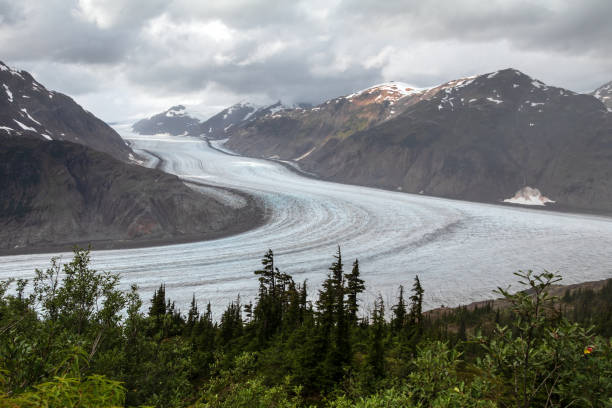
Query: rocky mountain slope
pixel 55 194
pixel 482 138
pixel 175 121
pixel 217 126
pixel 66 178
pixel 604 94
pixel 294 133
pixel 27 108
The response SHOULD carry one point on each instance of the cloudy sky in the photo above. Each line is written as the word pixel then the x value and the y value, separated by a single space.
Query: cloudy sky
pixel 124 60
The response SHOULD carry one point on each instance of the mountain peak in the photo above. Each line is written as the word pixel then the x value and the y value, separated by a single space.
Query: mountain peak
pixel 30 110
pixel 604 94
pixel 386 91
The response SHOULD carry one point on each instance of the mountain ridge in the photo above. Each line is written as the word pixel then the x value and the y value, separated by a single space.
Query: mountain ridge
pixel 481 138
pixel 29 109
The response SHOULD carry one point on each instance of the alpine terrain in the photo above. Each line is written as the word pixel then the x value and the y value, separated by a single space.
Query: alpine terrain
pixel 175 121
pixel 483 138
pixel 66 177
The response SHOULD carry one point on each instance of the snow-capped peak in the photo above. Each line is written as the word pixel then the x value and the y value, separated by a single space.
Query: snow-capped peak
pixel 178 110
pixel 4 67
pixel 389 91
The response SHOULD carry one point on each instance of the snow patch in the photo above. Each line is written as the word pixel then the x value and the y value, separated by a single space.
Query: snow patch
pixel 7 129
pixel 24 127
pixel 497 101
pixel 305 154
pixel 46 136
pixel 8 92
pixel 528 196
pixel 25 112
pixel 539 84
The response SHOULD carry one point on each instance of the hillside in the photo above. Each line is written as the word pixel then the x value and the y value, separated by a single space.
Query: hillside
pixel 482 138
pixel 55 194
pixel 27 108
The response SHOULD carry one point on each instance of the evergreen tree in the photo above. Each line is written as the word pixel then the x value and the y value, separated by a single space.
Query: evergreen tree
pixel 354 286
pixel 376 352
pixel 158 302
pixel 231 323
pixel 416 307
pixel 192 316
pixel 341 351
pixel 398 321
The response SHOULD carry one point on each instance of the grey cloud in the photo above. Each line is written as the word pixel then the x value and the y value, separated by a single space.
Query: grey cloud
pixel 570 27
pixel 326 46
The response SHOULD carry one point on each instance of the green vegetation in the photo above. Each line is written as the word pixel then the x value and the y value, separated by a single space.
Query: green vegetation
pixel 71 338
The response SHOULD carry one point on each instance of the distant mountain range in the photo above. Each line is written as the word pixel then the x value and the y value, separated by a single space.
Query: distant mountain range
pixel 175 121
pixel 66 177
pixel 483 138
pixel 178 121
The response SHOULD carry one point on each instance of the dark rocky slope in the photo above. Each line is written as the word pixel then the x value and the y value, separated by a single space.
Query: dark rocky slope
pixel 55 194
pixel 479 139
pixel 28 108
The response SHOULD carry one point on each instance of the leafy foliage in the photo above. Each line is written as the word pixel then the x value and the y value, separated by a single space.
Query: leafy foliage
pixel 71 338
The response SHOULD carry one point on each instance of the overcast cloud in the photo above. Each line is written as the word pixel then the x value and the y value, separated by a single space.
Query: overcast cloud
pixel 128 59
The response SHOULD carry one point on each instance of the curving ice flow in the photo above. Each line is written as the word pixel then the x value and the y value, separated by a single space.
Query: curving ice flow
pixel 460 250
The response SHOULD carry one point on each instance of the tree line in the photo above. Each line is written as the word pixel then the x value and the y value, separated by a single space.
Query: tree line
pixel 71 338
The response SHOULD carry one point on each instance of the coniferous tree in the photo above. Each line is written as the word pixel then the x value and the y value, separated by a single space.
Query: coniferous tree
pixel 192 316
pixel 416 307
pixel 354 286
pixel 341 350
pixel 158 302
pixel 231 324
pixel 398 321
pixel 376 352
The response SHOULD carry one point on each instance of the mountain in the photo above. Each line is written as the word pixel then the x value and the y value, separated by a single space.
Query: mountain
pixel 294 133
pixel 66 177
pixel 55 194
pixel 604 94
pixel 175 121
pixel 482 138
pixel 236 116
pixel 28 109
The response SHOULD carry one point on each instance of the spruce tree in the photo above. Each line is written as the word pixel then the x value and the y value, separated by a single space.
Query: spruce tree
pixel 376 352
pixel 399 312
pixel 354 286
pixel 192 316
pixel 416 307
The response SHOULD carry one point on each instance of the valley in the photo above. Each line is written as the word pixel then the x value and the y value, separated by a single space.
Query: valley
pixel 460 250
